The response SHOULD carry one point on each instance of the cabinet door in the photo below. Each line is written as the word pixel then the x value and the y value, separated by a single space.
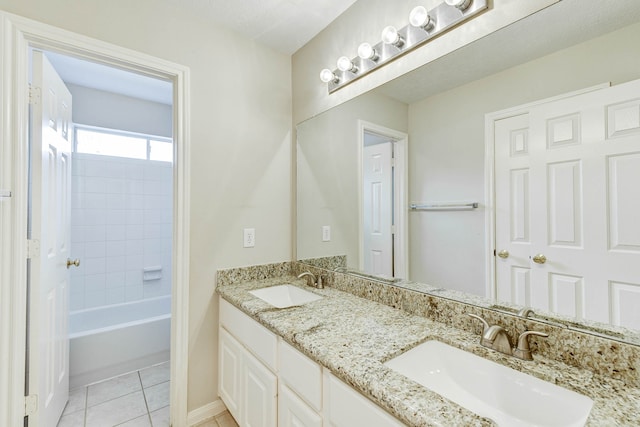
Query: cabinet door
pixel 229 371
pixel 259 389
pixel 294 412
pixel 345 407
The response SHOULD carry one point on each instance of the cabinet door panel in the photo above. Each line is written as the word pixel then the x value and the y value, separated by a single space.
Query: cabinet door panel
pixel 294 412
pixel 229 371
pixel 345 407
pixel 301 374
pixel 260 388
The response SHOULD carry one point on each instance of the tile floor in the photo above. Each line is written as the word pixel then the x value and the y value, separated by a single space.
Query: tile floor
pixel 137 399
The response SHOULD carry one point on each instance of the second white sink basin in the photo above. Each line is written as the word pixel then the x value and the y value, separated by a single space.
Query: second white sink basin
pixel 508 397
pixel 283 296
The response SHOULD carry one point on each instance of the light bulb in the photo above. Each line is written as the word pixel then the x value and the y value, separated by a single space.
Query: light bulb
pixel 419 17
pixel 366 51
pixel 327 76
pixel 390 36
pixel 345 64
pixel 460 4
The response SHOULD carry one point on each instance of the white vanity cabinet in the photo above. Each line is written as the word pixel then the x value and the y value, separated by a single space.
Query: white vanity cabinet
pixel 247 382
pixel 266 382
pixel 345 407
pixel 300 397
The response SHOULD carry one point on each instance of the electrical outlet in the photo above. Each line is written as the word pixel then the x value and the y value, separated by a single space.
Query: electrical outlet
pixel 249 237
pixel 326 233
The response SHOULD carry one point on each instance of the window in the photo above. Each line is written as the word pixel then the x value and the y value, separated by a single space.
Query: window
pixel 122 144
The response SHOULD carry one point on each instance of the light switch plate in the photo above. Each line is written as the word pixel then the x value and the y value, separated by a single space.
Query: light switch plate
pixel 249 237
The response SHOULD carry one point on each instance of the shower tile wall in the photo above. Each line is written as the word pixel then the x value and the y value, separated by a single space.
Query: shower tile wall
pixel 121 223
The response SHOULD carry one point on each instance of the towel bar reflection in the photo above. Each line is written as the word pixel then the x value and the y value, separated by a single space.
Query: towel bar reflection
pixel 443 206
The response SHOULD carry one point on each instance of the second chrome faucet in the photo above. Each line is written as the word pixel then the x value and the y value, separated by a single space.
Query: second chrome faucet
pixel 496 337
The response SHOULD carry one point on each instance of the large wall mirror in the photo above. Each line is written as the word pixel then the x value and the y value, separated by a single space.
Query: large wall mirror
pixel 430 130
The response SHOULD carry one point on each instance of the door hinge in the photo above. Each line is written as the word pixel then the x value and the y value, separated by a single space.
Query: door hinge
pixel 30 405
pixel 35 94
pixel 33 248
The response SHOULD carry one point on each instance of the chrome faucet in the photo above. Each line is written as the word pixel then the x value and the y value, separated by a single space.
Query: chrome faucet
pixel 496 338
pixel 313 282
pixel 525 312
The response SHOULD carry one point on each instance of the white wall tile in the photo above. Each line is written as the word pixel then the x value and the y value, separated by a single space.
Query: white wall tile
pixel 115 185
pixel 116 203
pixel 135 216
pixel 115 279
pixel 133 277
pixel 115 295
pixel 152 231
pixel 116 216
pixel 152 216
pixel 116 232
pixel 152 246
pixel 116 264
pixel 94 282
pixel 116 247
pixel 133 293
pixel 95 298
pixel 76 301
pixel 94 265
pixel 135 247
pixel 134 186
pixel 135 231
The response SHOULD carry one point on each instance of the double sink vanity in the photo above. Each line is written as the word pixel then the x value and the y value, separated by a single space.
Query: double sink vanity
pixel 293 354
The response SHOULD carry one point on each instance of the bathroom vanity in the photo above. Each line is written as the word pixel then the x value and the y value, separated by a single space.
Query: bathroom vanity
pixel 323 362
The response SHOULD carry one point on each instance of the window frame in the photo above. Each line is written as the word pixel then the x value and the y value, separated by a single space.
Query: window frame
pixel 119 132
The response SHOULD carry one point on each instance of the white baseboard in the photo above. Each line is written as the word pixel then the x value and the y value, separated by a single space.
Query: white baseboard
pixel 203 413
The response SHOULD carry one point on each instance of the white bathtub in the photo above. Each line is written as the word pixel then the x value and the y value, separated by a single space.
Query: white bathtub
pixel 109 341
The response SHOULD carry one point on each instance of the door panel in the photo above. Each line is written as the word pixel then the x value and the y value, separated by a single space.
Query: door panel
pixel 576 187
pixel 378 209
pixel 50 225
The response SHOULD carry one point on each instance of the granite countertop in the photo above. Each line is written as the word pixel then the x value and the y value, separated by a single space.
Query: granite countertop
pixel 353 337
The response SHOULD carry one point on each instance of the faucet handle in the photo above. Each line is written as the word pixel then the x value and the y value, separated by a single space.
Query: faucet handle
pixel 525 312
pixel 484 322
pixel 522 351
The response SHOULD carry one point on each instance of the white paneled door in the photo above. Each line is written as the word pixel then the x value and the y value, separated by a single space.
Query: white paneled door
pixel 50 224
pixel 568 206
pixel 378 209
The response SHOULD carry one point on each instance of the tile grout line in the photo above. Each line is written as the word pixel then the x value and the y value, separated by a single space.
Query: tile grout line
pixel 86 406
pixel 144 396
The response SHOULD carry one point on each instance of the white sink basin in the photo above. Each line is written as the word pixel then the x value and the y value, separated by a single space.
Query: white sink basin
pixel 508 397
pixel 283 296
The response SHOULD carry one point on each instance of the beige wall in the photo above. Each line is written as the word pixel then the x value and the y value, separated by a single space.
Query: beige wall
pixel 364 21
pixel 328 174
pixel 240 143
pixel 446 150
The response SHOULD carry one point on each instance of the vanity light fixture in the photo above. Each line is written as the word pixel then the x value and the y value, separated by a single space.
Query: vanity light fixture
pixel 366 51
pixel 345 64
pixel 460 4
pixel 328 76
pixel 420 18
pixel 391 36
pixel 423 25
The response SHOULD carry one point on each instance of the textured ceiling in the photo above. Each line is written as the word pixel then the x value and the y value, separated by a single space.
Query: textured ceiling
pixel 284 25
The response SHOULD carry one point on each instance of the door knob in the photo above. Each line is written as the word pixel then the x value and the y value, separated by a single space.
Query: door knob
pixel 503 254
pixel 75 262
pixel 539 259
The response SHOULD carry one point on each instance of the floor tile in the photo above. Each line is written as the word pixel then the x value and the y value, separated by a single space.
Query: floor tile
pixel 160 418
pixel 157 396
pixel 77 401
pixel 142 421
pixel 155 374
pixel 75 419
pixel 226 420
pixel 115 387
pixel 117 411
